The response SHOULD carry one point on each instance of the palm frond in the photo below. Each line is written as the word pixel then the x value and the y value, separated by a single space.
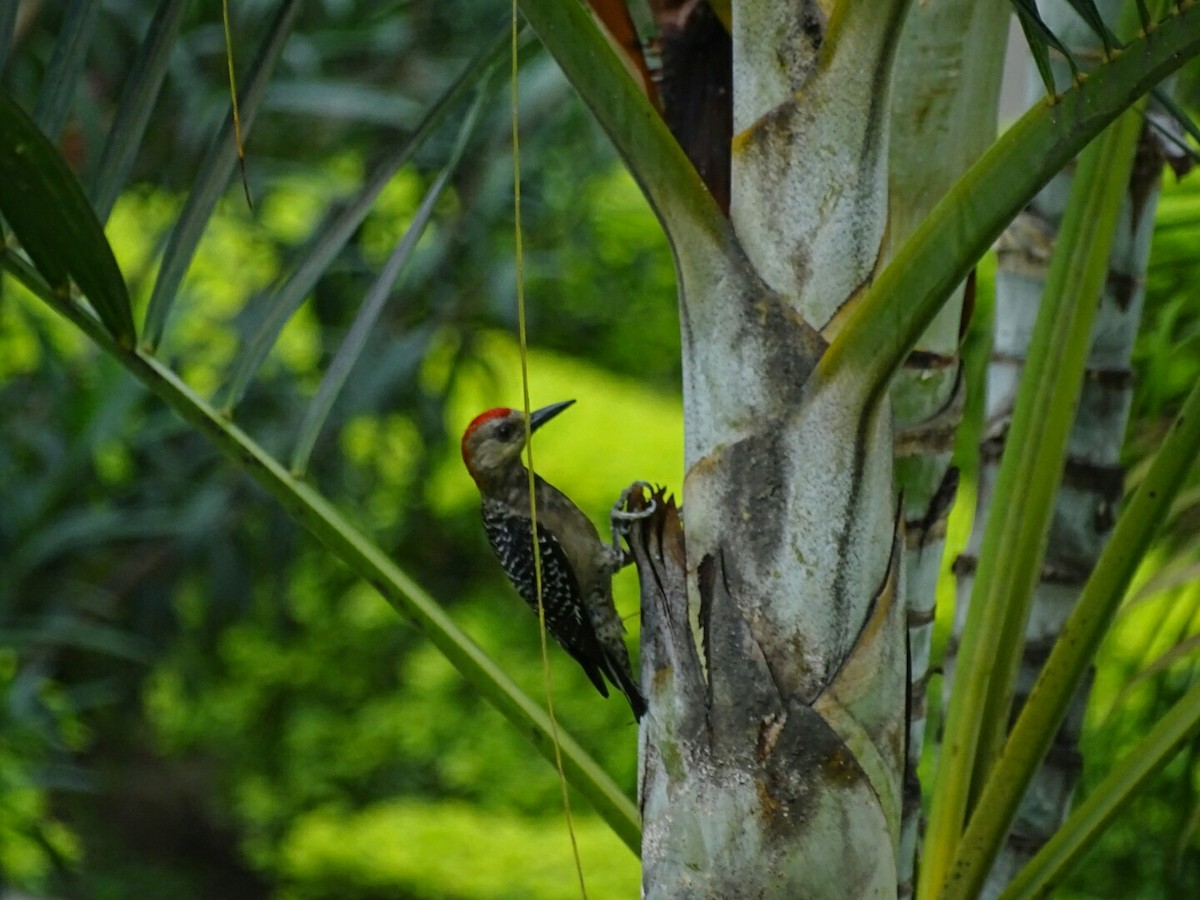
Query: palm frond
pixel 329 239
pixel 46 207
pixel 213 177
pixel 137 102
pixel 356 338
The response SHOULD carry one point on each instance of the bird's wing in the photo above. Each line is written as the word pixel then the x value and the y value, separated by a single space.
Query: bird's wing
pixel 567 622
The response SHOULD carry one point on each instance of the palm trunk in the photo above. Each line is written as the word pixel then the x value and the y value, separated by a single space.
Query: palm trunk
pixel 773 634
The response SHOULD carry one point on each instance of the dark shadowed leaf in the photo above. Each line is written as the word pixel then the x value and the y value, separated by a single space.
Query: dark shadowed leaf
pixel 137 101
pixel 1041 40
pixel 46 207
pixel 1087 11
pixel 210 181
pixel 66 66
pixel 8 21
pixel 328 240
pixel 356 339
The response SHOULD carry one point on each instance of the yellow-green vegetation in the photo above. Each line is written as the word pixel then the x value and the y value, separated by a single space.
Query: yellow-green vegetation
pixel 451 852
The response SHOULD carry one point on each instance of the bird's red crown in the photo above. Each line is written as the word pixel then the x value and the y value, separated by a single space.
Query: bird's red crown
pixel 498 413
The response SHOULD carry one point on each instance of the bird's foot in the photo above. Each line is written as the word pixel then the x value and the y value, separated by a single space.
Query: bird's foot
pixel 622 518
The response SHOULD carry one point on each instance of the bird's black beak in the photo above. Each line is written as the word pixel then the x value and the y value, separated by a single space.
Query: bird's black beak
pixel 540 417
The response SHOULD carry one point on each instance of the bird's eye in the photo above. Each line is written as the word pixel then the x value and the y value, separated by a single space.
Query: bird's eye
pixel 506 431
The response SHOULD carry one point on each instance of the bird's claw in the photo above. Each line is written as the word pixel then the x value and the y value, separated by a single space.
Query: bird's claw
pixel 623 518
pixel 622 515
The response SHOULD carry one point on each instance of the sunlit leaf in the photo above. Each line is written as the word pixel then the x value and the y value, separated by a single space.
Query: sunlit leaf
pixel 1088 820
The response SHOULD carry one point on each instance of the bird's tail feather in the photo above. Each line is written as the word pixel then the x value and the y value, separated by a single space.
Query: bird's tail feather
pixel 621 677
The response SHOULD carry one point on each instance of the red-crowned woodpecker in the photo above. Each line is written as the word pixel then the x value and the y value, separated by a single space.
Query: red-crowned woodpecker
pixel 577 567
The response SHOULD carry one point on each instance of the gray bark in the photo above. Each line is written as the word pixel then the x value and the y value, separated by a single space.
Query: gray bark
pixel 773 646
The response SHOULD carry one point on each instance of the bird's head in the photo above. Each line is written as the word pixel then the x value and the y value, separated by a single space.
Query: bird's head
pixel 494 439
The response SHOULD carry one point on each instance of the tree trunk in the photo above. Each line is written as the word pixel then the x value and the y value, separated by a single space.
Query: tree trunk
pixel 773 644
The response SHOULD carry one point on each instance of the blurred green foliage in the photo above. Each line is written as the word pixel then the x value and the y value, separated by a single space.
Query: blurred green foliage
pixel 451 851
pixel 197 701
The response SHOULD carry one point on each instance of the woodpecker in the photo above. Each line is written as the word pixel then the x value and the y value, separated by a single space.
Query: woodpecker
pixel 577 567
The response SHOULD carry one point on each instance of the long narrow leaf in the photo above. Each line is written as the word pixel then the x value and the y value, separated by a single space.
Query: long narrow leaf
pixel 1028 11
pixel 1079 833
pixel 881 328
pixel 1055 369
pixel 331 237
pixel 1041 40
pixel 211 180
pixel 84 528
pixel 1086 10
pixel 1183 839
pixel 362 556
pixel 71 632
pixel 1180 115
pixel 1168 577
pixel 1018 520
pixel 331 99
pixel 1144 18
pixel 137 101
pixel 45 205
pixel 1181 649
pixel 641 137
pixel 1081 635
pixel 356 338
pixel 1039 51
pixel 66 66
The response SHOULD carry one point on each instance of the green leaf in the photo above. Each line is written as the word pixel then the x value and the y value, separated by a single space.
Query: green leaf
pixel 1041 40
pixel 1039 51
pixel 66 66
pixel 332 234
pixel 881 329
pixel 1010 558
pixel 1086 10
pixel 8 22
pixel 1073 653
pixel 213 176
pixel 46 207
pixel 1078 834
pixel 137 102
pixel 639 134
pixel 1144 15
pixel 356 338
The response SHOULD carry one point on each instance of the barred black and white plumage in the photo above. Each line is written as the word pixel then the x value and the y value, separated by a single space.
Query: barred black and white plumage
pixel 561 597
pixel 577 568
